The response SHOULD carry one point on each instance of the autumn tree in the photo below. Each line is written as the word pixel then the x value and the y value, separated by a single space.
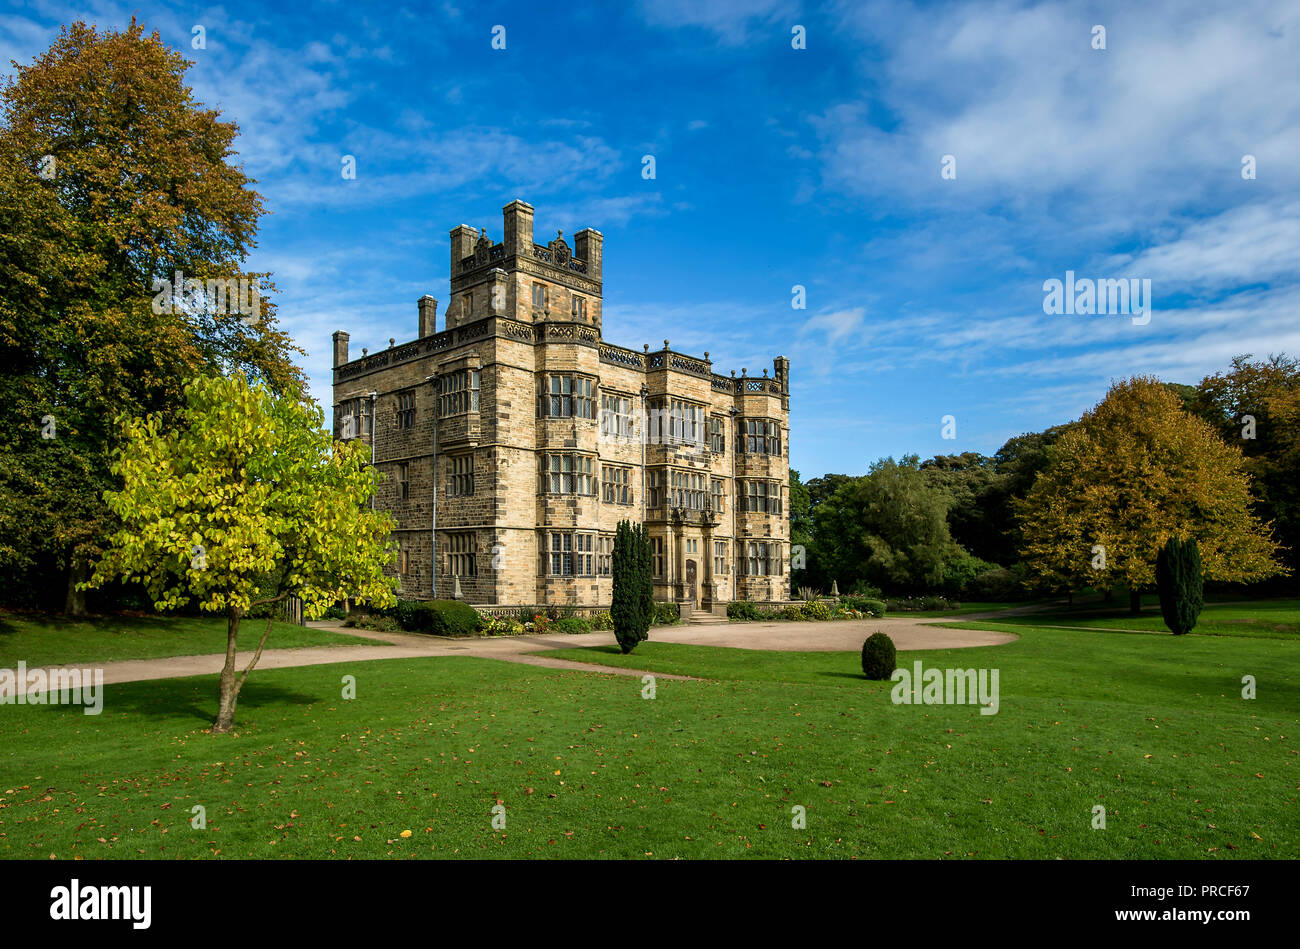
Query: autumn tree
pixel 111 175
pixel 246 500
pixel 1136 470
pixel 1256 406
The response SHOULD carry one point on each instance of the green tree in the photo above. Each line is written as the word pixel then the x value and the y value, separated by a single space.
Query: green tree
pixel 1256 406
pixel 968 479
pixel 818 570
pixel 111 175
pixel 246 501
pixel 1136 470
pixel 889 527
pixel 1180 583
pixel 1016 465
pixel 801 528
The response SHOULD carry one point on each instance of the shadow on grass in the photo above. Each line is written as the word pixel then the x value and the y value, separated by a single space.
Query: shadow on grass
pixel 187 701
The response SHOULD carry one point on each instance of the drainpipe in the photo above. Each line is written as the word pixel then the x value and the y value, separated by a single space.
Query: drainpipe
pixel 373 397
pixel 645 425
pixel 433 519
pixel 735 503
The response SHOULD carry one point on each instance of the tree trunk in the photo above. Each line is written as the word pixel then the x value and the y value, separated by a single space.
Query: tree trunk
pixel 74 603
pixel 229 690
pixel 230 686
pixel 1134 602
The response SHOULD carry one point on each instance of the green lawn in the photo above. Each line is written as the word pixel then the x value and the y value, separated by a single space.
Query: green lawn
pixel 1263 619
pixel 964 608
pixel 1151 727
pixel 54 640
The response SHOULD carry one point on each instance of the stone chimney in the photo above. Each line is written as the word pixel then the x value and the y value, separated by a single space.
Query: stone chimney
pixel 462 245
pixel 341 348
pixel 588 244
pixel 519 228
pixel 428 316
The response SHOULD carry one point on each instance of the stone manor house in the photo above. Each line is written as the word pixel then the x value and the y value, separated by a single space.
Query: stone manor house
pixel 514 440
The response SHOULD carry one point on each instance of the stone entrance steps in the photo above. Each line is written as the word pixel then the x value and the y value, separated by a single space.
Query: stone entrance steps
pixel 705 618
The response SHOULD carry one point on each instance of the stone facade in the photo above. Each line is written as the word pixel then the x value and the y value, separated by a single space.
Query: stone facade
pixel 518 438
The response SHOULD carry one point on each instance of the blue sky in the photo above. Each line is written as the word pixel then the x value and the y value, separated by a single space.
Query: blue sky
pixel 776 167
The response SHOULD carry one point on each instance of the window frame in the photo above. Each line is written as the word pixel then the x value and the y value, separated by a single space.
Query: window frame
pixel 566 395
pixel 579 471
pixel 568 553
pixel 615 422
pixel 406 410
pixel 618 489
pixel 458 392
pixel 462 553
pixel 460 475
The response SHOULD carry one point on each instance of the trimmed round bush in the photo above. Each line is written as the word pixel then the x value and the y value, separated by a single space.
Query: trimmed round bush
pixel 438 617
pixel 879 657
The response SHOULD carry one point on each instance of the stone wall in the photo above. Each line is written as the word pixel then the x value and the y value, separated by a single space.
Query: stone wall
pixel 494 328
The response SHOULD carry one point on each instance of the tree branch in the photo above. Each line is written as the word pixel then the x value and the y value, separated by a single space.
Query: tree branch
pixel 270 621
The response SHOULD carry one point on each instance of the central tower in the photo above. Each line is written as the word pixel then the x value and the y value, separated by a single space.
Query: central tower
pixel 523 280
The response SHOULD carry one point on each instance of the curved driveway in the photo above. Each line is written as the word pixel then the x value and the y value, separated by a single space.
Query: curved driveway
pixel 834 636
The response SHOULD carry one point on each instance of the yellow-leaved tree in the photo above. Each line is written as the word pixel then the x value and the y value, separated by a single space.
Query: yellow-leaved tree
pixel 1136 470
pixel 246 501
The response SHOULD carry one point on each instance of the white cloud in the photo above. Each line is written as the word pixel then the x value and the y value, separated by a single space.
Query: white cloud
pixel 1028 108
pixel 1243 245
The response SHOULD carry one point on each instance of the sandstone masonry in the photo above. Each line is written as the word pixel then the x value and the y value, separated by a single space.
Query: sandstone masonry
pixel 512 442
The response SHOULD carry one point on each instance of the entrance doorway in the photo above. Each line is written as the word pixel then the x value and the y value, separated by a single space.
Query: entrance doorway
pixel 691 589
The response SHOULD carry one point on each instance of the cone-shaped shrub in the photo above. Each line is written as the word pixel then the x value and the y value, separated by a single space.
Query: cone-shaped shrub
pixel 1180 583
pixel 633 601
pixel 645 579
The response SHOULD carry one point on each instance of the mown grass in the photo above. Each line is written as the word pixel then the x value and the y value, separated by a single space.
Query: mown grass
pixel 1260 619
pixel 39 639
pixel 1153 728
pixel 974 607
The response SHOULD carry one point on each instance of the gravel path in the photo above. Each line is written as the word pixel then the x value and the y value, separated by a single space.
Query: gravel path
pixel 836 636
